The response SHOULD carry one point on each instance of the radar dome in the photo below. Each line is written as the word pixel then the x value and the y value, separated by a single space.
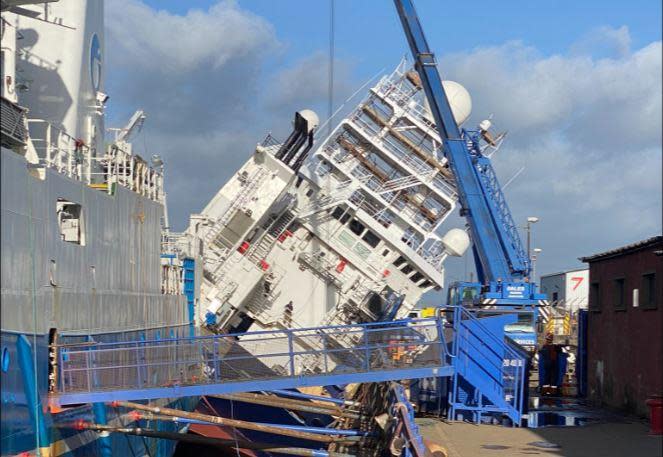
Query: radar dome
pixel 311 118
pixel 459 100
pixel 456 241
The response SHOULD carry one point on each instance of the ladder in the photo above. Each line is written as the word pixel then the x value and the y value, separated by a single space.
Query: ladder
pixel 404 182
pixel 341 193
pixel 241 199
pixel 272 233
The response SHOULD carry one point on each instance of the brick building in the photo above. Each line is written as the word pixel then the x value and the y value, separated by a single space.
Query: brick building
pixel 625 325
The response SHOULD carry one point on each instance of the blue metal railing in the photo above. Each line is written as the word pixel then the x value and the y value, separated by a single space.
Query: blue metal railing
pixel 251 361
pixel 495 371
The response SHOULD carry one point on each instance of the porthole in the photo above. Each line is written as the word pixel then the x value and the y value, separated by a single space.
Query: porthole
pixel 5 360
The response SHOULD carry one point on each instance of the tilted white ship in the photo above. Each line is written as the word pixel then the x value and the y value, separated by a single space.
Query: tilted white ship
pixel 344 231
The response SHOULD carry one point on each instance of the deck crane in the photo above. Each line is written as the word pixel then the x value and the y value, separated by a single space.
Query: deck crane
pixel 502 265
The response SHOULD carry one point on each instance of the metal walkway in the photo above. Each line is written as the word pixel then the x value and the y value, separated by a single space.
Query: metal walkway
pixel 252 361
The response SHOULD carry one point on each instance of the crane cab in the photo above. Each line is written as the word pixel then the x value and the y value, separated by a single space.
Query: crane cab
pixel 517 302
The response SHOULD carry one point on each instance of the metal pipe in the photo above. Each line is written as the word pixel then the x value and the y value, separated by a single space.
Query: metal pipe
pixel 230 422
pixel 226 444
pixel 288 403
pixel 318 430
pixel 338 401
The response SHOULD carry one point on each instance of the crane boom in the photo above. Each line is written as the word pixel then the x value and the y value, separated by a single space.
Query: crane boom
pixel 502 266
pixel 497 244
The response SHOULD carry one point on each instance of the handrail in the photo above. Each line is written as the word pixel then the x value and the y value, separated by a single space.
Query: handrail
pixel 195 361
pixel 395 323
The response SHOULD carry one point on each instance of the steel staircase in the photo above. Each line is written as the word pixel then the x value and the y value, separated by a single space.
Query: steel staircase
pixel 341 193
pixel 272 233
pixel 489 373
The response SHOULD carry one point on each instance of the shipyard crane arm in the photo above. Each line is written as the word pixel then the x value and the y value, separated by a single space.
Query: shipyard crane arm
pixel 499 251
pixel 502 266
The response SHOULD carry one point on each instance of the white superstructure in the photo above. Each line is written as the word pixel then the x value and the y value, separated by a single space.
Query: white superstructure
pixel 298 240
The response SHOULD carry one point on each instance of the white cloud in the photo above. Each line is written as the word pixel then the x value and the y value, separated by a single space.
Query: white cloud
pixel 588 130
pixel 307 81
pixel 604 42
pixel 200 78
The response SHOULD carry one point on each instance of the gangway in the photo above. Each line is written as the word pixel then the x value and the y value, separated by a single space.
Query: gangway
pixel 453 343
pixel 251 361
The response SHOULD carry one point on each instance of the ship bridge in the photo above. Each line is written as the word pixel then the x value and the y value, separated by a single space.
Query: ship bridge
pixel 453 344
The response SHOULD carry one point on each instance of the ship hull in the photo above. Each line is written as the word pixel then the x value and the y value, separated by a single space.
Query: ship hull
pixel 106 289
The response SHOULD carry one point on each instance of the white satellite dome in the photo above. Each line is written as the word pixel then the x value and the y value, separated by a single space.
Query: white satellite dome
pixel 456 241
pixel 459 100
pixel 312 118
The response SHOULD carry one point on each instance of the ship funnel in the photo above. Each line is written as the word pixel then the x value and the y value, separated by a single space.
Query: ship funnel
pixel 295 149
pixel 311 118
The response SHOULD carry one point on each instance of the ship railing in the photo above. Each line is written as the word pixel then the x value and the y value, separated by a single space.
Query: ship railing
pixel 394 92
pixel 323 267
pixel 386 197
pixel 171 276
pixel 67 155
pixel 270 140
pixel 171 242
pixel 270 144
pixel 102 368
pixel 130 171
pixel 60 151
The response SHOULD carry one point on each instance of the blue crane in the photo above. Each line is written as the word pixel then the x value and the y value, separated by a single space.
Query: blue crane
pixel 501 262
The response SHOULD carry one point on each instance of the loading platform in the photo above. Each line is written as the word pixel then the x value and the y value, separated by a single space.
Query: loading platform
pixel 455 344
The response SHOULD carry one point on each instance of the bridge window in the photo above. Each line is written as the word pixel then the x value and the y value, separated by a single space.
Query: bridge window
pixel 399 261
pixel 407 269
pixel 415 278
pixel 356 227
pixel 371 239
pixel 70 221
pixel 341 214
pixel 426 284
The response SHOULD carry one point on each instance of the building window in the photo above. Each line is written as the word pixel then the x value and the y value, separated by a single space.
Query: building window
pixel 70 221
pixel 648 291
pixel 619 294
pixel 371 238
pixel 594 297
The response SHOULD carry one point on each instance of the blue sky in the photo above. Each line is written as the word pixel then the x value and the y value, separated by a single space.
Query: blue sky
pixel 369 31
pixel 576 83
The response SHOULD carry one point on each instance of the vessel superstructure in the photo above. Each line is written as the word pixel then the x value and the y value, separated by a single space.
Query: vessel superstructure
pixel 84 252
pixel 308 235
